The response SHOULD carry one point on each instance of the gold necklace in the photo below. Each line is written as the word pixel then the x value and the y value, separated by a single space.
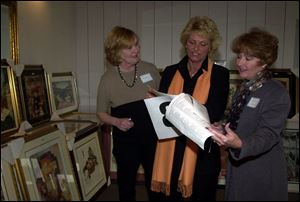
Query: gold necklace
pixel 124 81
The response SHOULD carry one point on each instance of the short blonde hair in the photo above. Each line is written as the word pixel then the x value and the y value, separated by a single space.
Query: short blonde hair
pixel 117 39
pixel 258 43
pixel 203 26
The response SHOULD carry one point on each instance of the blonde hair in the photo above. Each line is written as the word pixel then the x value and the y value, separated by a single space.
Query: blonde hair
pixel 117 39
pixel 205 27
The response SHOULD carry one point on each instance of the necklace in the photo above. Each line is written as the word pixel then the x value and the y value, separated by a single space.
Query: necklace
pixel 122 78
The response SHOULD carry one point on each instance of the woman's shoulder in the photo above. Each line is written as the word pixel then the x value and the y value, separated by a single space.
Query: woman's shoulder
pixel 146 64
pixel 220 69
pixel 274 88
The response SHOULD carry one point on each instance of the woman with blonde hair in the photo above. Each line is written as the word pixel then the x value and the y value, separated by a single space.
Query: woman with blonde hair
pixel 182 169
pixel 120 103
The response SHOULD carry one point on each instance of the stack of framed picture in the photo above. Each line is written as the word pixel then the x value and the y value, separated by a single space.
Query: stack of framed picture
pixel 44 169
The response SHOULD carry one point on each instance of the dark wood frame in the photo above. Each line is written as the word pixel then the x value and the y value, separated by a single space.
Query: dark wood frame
pixel 35 95
pixel 288 79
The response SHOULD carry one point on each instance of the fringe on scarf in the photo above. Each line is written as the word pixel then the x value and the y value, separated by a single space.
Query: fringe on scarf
pixel 160 187
pixel 186 190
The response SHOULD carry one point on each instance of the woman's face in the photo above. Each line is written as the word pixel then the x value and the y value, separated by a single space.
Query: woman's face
pixel 248 66
pixel 131 55
pixel 197 47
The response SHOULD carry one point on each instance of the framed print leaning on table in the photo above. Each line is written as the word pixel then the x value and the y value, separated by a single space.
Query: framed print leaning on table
pixel 10 113
pixel 63 92
pixel 46 168
pixel 89 163
pixel 34 94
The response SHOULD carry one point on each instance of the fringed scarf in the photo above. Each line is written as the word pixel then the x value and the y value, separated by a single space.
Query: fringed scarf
pixel 242 94
pixel 162 168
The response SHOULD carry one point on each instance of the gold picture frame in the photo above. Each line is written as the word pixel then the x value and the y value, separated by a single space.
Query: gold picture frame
pixel 45 168
pixel 10 189
pixel 10 113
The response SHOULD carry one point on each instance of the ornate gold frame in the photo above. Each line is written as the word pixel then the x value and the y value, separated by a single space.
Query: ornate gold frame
pixel 13 29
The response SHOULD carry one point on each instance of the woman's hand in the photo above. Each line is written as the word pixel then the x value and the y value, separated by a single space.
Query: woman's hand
pixel 150 93
pixel 226 138
pixel 124 124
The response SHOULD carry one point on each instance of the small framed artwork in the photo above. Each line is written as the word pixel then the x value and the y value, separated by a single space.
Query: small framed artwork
pixel 63 92
pixel 34 94
pixel 46 169
pixel 10 113
pixel 10 189
pixel 288 80
pixel 89 163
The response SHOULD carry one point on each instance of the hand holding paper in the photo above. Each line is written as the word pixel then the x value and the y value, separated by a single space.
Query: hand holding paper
pixel 190 118
pixel 184 112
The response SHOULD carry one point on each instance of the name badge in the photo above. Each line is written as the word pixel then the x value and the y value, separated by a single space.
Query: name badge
pixel 146 77
pixel 253 102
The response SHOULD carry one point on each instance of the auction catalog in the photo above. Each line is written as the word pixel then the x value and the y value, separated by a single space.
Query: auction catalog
pixel 189 117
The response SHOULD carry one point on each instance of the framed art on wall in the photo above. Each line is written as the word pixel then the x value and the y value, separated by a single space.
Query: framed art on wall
pixel 34 94
pixel 89 163
pixel 46 169
pixel 10 113
pixel 63 92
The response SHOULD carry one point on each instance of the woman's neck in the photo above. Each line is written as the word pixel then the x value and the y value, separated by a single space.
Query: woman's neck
pixel 193 67
pixel 126 67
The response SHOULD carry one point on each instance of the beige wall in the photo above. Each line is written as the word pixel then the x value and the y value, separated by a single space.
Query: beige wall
pixel 68 36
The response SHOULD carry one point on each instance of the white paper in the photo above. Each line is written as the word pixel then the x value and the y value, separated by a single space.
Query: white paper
pixel 13 150
pixel 190 118
pixel 184 112
pixel 7 155
pixel 17 146
pixel 153 105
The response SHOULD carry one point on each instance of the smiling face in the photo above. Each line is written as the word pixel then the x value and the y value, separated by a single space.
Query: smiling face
pixel 197 47
pixel 131 55
pixel 248 66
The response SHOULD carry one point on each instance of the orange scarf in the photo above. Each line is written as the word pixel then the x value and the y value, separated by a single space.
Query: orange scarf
pixel 162 168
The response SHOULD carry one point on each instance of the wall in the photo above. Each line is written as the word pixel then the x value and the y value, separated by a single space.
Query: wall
pixel 68 36
pixel 47 34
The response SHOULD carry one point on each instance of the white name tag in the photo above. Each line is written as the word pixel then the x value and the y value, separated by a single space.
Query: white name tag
pixel 253 102
pixel 146 77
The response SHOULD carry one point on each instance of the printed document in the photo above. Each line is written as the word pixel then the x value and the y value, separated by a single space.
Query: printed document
pixel 185 113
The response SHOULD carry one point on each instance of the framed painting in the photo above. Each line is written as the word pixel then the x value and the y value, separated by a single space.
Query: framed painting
pixel 10 189
pixel 10 113
pixel 63 92
pixel 288 80
pixel 46 170
pixel 89 163
pixel 34 94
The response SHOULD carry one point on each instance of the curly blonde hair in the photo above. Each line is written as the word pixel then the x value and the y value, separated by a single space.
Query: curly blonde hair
pixel 205 27
pixel 117 39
